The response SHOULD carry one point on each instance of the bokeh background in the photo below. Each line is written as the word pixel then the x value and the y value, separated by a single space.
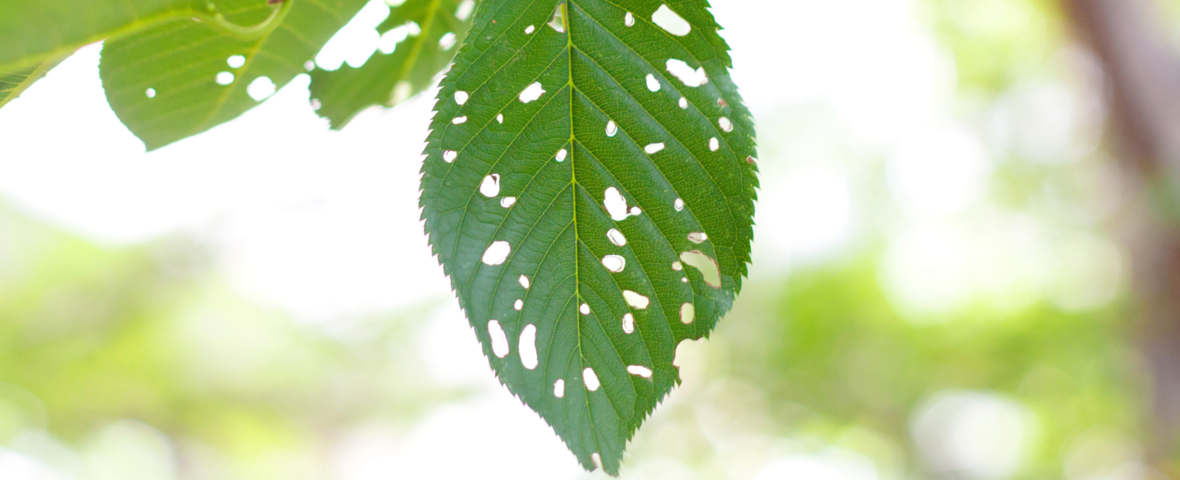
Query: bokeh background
pixel 940 287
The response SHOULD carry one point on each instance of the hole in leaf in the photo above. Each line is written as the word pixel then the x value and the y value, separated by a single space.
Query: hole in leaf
pixel 683 103
pixel 500 118
pixel 710 272
pixel 308 66
pixel 691 77
pixel 616 237
pixel 677 266
pixel 653 85
pixel 671 21
pixel 528 346
pixel 636 299
pixel 499 340
pixel 447 41
pixel 261 88
pixel 497 253
pixel 629 19
pixel 507 202
pixel 529 30
pixel 614 263
pixel 615 204
pixel 224 78
pixel 653 148
pixel 559 388
pixel 714 144
pixel 518 305
pixel 698 237
pixel 532 92
pixel 235 61
pixel 465 9
pixel 611 128
pixel 687 313
pixel 725 124
pixel 490 186
pixel 678 204
pixel 590 379
pixel 558 21
pixel 561 155
pixel 628 323
pixel 461 97
pixel 450 155
pixel 639 371
pixel 459 120
pixel 524 281
pixel 584 309
pixel 150 93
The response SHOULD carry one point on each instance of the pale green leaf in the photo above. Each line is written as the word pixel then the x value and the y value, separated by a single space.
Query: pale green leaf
pixel 33 30
pixel 183 77
pixel 572 107
pixel 14 83
pixel 435 30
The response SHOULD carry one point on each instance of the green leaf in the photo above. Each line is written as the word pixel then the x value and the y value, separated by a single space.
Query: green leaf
pixel 183 77
pixel 435 27
pixel 33 30
pixel 15 83
pixel 591 208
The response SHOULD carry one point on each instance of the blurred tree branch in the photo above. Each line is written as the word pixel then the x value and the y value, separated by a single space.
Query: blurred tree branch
pixel 1142 74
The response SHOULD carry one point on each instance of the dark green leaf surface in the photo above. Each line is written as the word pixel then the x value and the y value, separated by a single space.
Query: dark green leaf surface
pixel 33 30
pixel 14 83
pixel 556 112
pixel 437 28
pixel 183 77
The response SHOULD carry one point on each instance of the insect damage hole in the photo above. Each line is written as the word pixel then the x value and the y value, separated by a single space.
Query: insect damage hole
pixel 518 305
pixel 532 92
pixel 559 388
pixel 507 202
pixel 611 128
pixel 235 61
pixel 584 309
pixel 561 155
pixel 224 78
pixel 614 263
pixel 497 253
pixel 150 93
pixel 261 88
pixel 615 204
pixel 688 313
pixel 636 299
pixel 639 371
pixel 450 155
pixel 726 124
pixel 654 148
pixel 528 347
pixel 690 77
pixel 698 237
pixel 710 271
pixel 557 23
pixel 671 21
pixel 461 97
pixel 524 281
pixel 653 85
pixel 678 204
pixel 629 19
pixel 459 120
pixel 714 144
pixel 628 323
pixel 499 339
pixel 616 237
pixel 490 187
pixel 590 379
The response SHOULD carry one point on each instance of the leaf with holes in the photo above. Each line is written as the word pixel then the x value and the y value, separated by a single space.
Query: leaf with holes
pixel 183 77
pixel 589 187
pixel 432 30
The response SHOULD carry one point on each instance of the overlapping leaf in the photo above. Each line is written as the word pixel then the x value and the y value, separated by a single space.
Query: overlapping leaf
pixel 14 83
pixel 434 29
pixel 33 30
pixel 182 77
pixel 588 187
